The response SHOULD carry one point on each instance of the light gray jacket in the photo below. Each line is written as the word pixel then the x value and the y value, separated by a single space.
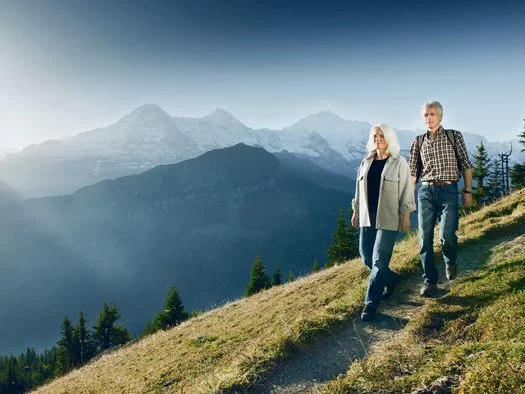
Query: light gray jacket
pixel 396 193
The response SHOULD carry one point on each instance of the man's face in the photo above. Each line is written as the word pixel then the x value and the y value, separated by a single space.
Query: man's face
pixel 432 118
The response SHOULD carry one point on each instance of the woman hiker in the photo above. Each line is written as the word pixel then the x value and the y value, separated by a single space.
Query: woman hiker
pixel 384 198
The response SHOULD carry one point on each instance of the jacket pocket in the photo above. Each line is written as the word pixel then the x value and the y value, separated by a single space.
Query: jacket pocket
pixel 390 183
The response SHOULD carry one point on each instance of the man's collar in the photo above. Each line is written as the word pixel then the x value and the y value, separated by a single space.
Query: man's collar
pixel 438 131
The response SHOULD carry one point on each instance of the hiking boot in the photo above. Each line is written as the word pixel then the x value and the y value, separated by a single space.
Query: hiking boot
pixel 451 271
pixel 429 290
pixel 368 314
pixel 389 290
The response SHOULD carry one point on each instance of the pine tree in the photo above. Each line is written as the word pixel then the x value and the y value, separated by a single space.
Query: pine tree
pixel 329 264
pixel 259 280
pixel 494 188
pixel 290 278
pixel 27 371
pixel 173 313
pixel 27 368
pixel 77 353
pixel 49 360
pixel 481 172
pixel 517 175
pixel 83 343
pixel 66 348
pixel 106 333
pixel 339 250
pixel 150 327
pixel 14 381
pixel 522 137
pixel 276 281
pixel 315 266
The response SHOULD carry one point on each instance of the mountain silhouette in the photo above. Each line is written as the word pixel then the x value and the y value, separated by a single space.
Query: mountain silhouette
pixel 198 224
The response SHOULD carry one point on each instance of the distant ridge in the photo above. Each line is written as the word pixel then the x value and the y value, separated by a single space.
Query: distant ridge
pixel 198 224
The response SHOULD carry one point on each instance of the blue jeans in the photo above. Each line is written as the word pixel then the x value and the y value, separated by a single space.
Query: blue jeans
pixel 437 203
pixel 375 247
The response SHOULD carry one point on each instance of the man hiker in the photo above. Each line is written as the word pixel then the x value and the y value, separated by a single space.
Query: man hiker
pixel 438 158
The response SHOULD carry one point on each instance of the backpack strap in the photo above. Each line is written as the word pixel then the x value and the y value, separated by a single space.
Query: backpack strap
pixel 420 140
pixel 451 136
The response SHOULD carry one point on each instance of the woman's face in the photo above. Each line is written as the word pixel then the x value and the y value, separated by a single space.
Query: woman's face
pixel 379 139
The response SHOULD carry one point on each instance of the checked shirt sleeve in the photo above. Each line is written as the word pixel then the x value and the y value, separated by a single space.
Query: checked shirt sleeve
pixel 414 154
pixel 462 152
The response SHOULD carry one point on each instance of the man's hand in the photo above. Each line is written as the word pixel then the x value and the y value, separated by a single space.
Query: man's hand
pixel 467 200
pixel 405 223
pixel 355 220
pixel 467 197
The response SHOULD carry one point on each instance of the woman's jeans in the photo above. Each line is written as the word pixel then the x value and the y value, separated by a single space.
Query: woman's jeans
pixel 375 247
pixel 437 203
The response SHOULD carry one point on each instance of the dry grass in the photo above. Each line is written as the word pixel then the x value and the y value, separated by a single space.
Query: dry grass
pixel 473 337
pixel 228 348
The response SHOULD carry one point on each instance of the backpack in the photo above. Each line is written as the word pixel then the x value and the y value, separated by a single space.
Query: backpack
pixel 421 138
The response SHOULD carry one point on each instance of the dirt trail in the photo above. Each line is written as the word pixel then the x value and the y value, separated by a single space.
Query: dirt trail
pixel 331 355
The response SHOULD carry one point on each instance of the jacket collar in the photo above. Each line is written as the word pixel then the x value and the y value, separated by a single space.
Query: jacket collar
pixel 370 156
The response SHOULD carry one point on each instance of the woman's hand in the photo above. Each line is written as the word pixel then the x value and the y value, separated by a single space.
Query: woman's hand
pixel 405 223
pixel 355 220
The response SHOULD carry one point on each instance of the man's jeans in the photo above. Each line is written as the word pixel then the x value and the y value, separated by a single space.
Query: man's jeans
pixel 437 203
pixel 375 247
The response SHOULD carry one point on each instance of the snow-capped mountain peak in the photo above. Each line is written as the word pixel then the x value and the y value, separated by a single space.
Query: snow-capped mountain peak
pixel 328 123
pixel 326 116
pixel 147 134
pixel 341 134
pixel 320 121
pixel 222 117
pixel 217 130
pixel 149 113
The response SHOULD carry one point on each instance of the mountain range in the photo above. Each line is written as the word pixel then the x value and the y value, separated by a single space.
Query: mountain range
pixel 148 137
pixel 198 224
pixel 170 200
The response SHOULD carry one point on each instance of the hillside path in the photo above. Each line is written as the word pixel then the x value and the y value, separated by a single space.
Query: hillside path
pixel 331 355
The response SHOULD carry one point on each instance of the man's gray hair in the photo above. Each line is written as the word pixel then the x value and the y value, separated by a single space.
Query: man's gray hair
pixel 433 104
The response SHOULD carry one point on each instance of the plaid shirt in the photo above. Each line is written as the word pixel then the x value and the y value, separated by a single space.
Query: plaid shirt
pixel 439 158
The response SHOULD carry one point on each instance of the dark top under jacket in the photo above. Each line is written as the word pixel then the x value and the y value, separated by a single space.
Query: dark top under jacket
pixel 373 184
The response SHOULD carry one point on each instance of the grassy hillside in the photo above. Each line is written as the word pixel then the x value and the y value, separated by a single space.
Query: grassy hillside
pixel 472 339
pixel 226 349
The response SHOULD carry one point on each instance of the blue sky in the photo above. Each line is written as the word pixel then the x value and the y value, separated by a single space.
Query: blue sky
pixel 69 66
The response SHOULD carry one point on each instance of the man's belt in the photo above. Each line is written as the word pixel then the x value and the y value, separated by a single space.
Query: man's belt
pixel 438 183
